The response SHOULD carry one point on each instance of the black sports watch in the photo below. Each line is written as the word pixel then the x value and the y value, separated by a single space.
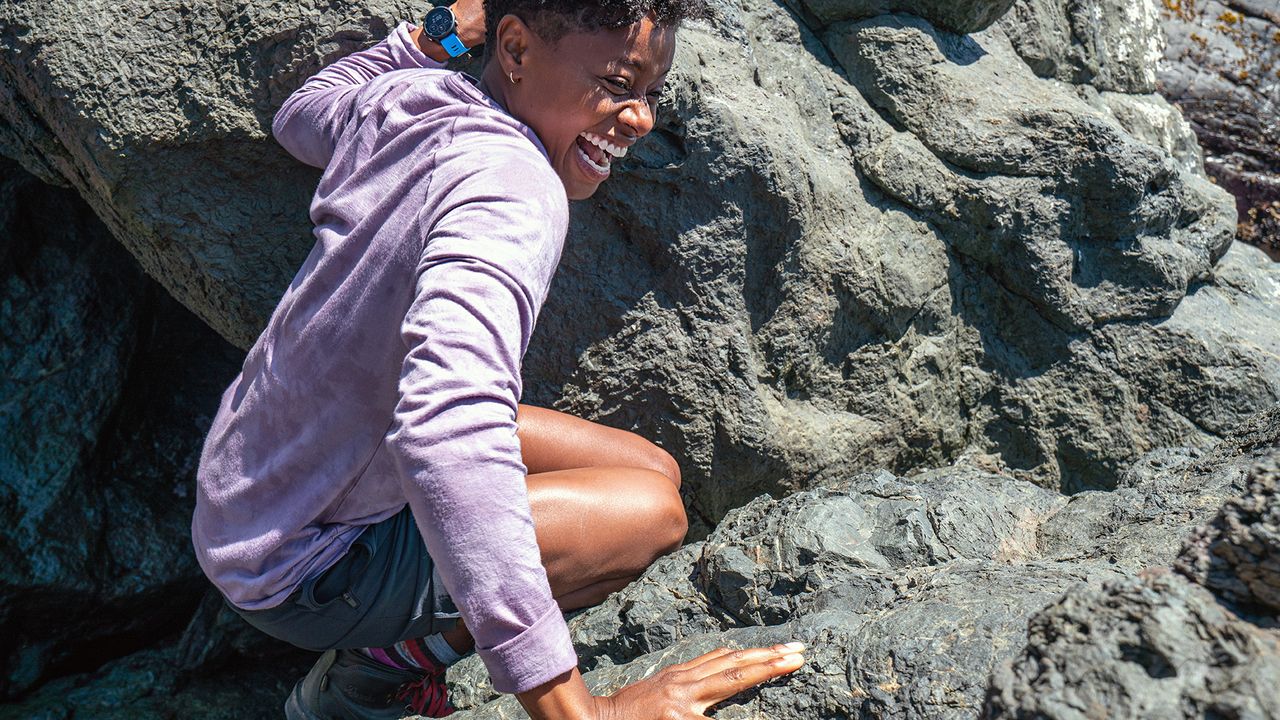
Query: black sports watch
pixel 441 26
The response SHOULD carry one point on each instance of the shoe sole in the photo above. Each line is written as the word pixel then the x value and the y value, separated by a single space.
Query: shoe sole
pixel 293 709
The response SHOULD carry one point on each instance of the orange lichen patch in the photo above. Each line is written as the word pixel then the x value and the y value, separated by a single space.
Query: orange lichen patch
pixel 1183 9
pixel 1231 17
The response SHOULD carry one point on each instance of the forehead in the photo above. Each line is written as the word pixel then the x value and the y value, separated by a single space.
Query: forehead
pixel 644 47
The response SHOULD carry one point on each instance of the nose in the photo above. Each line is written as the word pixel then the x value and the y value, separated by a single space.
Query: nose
pixel 637 115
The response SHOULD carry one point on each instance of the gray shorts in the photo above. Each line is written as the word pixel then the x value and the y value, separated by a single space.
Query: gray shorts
pixel 385 589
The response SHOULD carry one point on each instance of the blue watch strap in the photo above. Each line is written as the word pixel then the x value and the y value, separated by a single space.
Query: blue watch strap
pixel 453 45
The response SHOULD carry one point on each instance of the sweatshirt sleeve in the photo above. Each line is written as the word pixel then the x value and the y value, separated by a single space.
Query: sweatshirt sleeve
pixel 312 119
pixel 484 274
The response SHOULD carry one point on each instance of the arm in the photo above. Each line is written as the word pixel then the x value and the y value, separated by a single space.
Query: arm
pixel 312 119
pixel 484 273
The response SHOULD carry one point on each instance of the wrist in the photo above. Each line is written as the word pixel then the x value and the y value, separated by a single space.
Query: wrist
pixel 429 47
pixel 564 698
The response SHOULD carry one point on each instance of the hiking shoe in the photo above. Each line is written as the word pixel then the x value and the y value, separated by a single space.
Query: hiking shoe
pixel 349 685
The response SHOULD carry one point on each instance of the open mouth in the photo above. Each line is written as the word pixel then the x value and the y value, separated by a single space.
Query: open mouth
pixel 598 153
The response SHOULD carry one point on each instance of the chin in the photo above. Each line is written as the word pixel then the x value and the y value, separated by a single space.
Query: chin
pixel 581 192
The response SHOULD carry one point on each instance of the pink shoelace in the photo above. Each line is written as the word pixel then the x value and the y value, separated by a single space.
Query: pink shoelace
pixel 429 696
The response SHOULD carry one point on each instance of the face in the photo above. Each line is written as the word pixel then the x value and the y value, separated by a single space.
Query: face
pixel 590 96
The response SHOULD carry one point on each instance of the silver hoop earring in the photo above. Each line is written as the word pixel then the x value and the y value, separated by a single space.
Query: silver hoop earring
pixel 511 74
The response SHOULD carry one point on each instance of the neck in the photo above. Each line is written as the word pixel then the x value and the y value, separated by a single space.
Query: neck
pixel 494 84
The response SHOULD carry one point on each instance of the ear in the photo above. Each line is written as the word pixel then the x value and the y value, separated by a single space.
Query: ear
pixel 512 42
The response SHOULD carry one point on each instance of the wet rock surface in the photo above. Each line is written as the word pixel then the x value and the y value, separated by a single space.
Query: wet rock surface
pixel 1222 69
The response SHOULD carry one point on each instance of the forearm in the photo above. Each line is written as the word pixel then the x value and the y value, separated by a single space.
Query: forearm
pixel 564 698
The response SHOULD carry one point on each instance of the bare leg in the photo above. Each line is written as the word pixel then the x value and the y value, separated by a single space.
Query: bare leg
pixel 605 505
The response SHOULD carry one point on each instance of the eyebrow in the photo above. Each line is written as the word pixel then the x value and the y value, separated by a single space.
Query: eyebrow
pixel 637 65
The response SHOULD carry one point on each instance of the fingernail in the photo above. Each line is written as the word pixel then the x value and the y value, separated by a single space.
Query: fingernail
pixel 793 647
pixel 793 659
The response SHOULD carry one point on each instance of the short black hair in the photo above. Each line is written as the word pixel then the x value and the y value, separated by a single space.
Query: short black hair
pixel 553 19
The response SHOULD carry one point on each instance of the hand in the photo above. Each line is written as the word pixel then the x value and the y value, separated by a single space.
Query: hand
pixel 687 690
pixel 470 15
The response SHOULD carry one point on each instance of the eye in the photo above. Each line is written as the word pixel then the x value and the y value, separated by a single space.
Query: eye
pixel 618 85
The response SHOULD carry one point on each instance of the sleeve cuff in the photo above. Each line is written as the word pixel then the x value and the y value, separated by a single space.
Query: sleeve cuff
pixel 536 656
pixel 410 49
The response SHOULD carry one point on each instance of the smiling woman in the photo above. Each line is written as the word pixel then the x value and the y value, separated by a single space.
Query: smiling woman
pixel 587 81
pixel 371 486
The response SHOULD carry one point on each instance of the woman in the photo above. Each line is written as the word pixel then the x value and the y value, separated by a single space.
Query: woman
pixel 390 374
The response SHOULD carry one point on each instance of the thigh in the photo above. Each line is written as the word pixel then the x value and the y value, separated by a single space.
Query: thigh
pixel 552 441
pixel 601 523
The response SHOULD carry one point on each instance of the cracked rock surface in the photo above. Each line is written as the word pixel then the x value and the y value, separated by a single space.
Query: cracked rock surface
pixel 911 592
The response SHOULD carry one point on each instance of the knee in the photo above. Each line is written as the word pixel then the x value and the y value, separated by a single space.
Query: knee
pixel 671 524
pixel 660 461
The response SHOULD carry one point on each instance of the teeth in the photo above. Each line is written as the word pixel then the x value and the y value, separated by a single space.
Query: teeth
pixel 614 150
pixel 604 169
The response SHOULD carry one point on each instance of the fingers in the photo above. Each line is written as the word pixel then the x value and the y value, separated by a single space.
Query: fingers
pixel 728 674
pixel 749 656
pixel 690 664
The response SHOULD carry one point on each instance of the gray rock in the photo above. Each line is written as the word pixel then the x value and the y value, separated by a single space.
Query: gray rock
pixel 815 266
pixel 962 17
pixel 1237 556
pixel 1221 69
pixel 906 591
pixel 1036 175
pixel 100 424
pixel 1151 119
pixel 1108 44
pixel 1160 500
pixel 1158 647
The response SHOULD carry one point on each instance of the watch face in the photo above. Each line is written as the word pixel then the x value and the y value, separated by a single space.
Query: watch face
pixel 438 23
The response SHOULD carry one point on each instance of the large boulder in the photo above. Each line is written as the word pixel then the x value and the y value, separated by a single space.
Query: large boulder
pixel 861 244
pixel 1221 68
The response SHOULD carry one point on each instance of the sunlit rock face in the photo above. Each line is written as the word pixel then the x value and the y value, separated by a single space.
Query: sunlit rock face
pixel 854 240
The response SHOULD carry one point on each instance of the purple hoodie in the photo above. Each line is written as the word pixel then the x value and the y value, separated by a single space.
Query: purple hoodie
pixel 390 370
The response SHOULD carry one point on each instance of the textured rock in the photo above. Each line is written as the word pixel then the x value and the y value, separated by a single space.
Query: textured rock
pixel 960 17
pixel 1153 120
pixel 1159 648
pixel 906 591
pixel 1109 44
pixel 836 252
pixel 1237 556
pixel 909 592
pixel 103 405
pixel 1110 228
pixel 1160 500
pixel 1222 69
